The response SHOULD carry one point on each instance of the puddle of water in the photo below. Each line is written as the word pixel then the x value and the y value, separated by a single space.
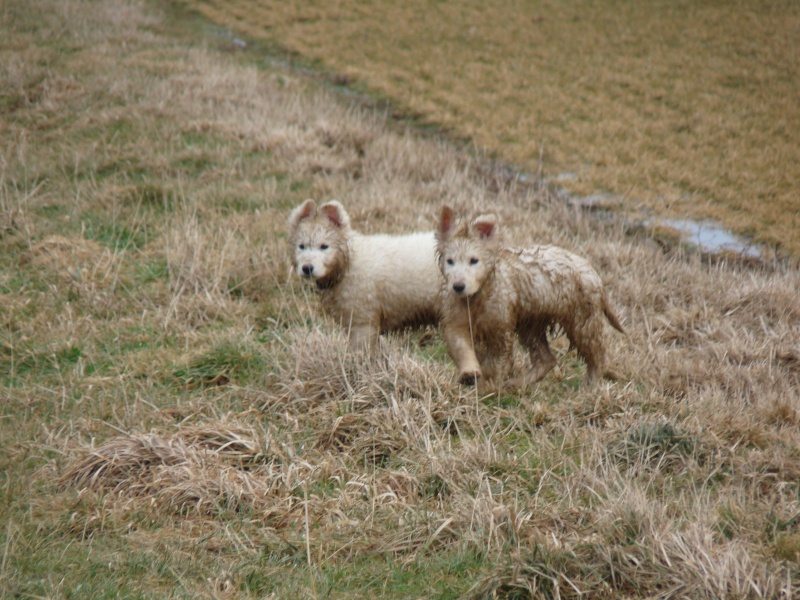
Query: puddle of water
pixel 708 236
pixel 567 176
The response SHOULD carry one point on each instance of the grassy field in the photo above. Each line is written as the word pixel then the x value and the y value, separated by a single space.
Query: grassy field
pixel 682 108
pixel 178 421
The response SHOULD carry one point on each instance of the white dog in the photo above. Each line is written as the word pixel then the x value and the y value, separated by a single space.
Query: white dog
pixel 369 283
pixel 494 294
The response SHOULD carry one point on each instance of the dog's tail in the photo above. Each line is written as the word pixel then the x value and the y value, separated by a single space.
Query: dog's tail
pixel 611 316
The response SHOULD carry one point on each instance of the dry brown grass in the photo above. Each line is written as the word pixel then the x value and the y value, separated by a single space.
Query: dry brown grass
pixel 178 420
pixel 685 109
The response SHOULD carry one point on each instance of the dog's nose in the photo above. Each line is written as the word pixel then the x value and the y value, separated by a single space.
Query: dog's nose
pixel 308 269
pixel 459 287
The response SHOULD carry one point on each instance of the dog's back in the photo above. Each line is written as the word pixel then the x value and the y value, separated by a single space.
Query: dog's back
pixel 550 280
pixel 393 278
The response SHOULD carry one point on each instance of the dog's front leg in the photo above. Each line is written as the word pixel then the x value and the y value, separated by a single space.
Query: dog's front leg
pixel 460 347
pixel 363 337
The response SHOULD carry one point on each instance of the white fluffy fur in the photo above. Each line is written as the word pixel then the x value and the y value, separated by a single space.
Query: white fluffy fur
pixel 369 283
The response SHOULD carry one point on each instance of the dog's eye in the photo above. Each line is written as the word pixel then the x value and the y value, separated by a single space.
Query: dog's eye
pixel 473 261
pixel 450 261
pixel 323 247
pixel 302 246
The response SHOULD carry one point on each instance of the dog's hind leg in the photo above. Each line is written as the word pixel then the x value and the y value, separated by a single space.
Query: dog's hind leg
pixel 588 341
pixel 496 357
pixel 534 340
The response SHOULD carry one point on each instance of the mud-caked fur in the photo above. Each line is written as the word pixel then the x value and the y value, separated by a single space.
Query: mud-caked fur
pixel 370 283
pixel 493 294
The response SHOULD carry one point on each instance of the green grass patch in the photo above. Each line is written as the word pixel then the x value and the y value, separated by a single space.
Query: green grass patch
pixel 116 236
pixel 25 362
pixel 150 271
pixel 154 196
pixel 226 362
pixel 106 568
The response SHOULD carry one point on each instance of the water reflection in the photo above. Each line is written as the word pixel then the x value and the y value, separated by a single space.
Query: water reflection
pixel 708 236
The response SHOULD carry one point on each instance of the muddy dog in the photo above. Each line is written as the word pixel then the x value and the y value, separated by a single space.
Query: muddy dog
pixel 370 283
pixel 494 293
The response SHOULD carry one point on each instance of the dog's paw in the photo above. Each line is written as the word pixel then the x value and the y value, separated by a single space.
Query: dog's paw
pixel 469 377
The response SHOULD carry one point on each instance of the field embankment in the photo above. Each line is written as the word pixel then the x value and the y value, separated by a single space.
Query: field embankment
pixel 682 108
pixel 177 420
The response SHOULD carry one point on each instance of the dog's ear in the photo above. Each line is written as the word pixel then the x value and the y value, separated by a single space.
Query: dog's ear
pixel 484 227
pixel 304 211
pixel 447 222
pixel 336 214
